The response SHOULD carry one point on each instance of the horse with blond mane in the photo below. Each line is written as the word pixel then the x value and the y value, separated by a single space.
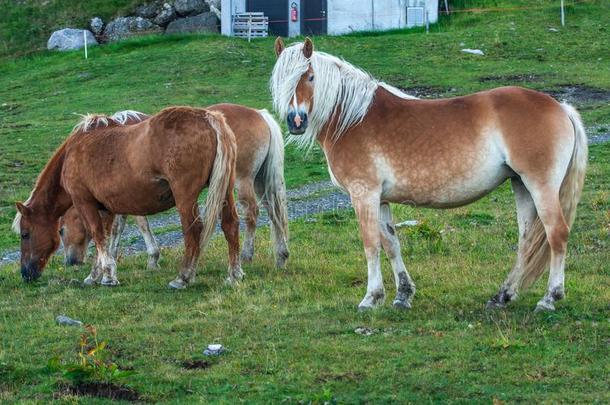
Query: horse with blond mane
pixel 383 147
pixel 140 169
pixel 259 173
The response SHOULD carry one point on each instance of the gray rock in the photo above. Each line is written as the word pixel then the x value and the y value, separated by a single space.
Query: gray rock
pixel 124 27
pixel 148 10
pixel 65 321
pixel 190 7
pixel 204 22
pixel 214 350
pixel 69 39
pixel 215 7
pixel 166 15
pixel 97 25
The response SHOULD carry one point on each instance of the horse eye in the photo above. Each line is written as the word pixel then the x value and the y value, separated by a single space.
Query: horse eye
pixel 25 235
pixel 61 231
pixel 311 78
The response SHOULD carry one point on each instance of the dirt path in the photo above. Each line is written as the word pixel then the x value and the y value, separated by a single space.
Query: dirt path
pixel 303 202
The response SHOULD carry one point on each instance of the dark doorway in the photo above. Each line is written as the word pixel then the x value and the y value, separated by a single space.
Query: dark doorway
pixel 314 18
pixel 276 10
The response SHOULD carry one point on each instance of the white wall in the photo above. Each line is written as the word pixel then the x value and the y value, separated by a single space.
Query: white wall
pixel 346 16
pixel 228 8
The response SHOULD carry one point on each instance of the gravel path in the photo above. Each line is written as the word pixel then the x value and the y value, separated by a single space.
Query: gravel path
pixel 303 202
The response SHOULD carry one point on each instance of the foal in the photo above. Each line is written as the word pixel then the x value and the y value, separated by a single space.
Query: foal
pixel 259 173
pixel 139 169
pixel 383 147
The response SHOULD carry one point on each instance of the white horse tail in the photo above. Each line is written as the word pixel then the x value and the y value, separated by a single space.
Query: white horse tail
pixel 538 254
pixel 222 176
pixel 271 185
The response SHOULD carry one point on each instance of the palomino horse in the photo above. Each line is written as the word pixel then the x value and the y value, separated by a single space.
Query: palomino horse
pixel 138 169
pixel 259 172
pixel 383 146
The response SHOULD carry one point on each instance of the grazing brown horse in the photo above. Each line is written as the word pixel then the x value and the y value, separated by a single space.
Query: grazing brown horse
pixel 383 147
pixel 259 172
pixel 139 169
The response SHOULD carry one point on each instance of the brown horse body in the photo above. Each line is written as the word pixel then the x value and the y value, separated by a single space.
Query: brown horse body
pixel 383 147
pixel 139 169
pixel 259 173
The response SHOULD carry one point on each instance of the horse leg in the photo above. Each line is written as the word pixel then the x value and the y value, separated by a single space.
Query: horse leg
pixel 551 214
pixel 367 211
pixel 105 265
pixel 152 247
pixel 526 215
pixel 247 201
pixel 188 209
pixel 118 225
pixel 279 225
pixel 405 288
pixel 230 228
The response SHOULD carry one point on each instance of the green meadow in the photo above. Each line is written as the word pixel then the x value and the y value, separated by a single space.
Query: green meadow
pixel 291 334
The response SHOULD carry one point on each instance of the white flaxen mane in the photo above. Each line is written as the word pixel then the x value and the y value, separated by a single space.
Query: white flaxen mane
pixel 88 122
pixel 338 87
pixel 94 121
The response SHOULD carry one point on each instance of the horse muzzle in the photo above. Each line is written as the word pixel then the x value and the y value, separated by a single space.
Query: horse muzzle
pixel 297 122
pixel 30 272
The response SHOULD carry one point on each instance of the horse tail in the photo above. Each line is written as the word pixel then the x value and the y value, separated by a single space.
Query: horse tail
pixel 538 255
pixel 222 176
pixel 270 182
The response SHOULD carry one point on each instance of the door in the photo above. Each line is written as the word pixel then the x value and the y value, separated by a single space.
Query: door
pixel 314 20
pixel 276 10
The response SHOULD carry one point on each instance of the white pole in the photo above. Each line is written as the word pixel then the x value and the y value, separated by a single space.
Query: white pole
pixel 563 16
pixel 427 22
pixel 85 39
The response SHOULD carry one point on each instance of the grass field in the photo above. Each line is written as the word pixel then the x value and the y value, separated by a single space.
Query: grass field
pixel 290 334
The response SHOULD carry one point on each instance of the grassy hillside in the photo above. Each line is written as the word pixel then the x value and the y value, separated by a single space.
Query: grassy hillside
pixel 26 25
pixel 291 334
pixel 40 94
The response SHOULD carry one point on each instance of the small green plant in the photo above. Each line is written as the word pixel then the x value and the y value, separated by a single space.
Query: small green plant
pixel 93 364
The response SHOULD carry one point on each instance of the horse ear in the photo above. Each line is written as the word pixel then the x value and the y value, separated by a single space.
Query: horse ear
pixel 279 46
pixel 23 210
pixel 307 48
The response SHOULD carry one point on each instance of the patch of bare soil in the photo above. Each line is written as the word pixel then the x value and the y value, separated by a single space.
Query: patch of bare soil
pixel 579 94
pixel 102 390
pixel 513 79
pixel 196 364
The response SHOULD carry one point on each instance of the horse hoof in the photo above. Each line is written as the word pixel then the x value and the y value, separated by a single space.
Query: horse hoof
pixel 493 305
pixel 89 281
pixel 110 282
pixel 177 284
pixel 544 306
pixel 401 304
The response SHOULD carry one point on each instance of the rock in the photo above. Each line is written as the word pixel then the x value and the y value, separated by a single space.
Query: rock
pixel 69 39
pixel 204 22
pixel 214 350
pixel 364 331
pixel 124 27
pixel 148 10
pixel 97 25
pixel 473 51
pixel 402 224
pixel 65 321
pixel 166 15
pixel 190 7
pixel 215 7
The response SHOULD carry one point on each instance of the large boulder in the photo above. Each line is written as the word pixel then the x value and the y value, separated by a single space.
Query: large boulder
pixel 166 15
pixel 125 27
pixel 69 39
pixel 148 10
pixel 190 7
pixel 97 25
pixel 204 22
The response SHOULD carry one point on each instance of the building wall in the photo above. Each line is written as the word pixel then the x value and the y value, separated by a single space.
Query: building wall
pixel 345 16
